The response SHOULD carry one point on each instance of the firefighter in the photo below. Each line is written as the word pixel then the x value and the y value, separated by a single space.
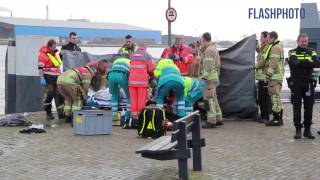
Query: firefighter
pixel 49 64
pixel 209 73
pixel 74 83
pixel 274 59
pixel 302 60
pixel 141 68
pixel 118 78
pixel 170 80
pixel 264 100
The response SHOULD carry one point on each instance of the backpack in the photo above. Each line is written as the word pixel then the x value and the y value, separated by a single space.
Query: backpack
pixel 152 122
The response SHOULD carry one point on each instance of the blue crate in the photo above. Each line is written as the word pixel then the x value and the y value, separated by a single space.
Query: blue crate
pixel 92 122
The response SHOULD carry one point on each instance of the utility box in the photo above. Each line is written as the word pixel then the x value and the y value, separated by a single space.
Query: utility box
pixel 92 122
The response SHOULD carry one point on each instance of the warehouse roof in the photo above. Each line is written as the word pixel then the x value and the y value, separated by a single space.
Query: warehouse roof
pixel 69 24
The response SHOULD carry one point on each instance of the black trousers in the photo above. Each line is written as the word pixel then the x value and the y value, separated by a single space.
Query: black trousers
pixel 302 89
pixel 50 93
pixel 264 100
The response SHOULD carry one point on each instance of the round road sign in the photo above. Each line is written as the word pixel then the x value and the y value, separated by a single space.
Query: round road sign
pixel 171 14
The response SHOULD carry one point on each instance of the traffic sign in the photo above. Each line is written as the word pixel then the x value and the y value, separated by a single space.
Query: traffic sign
pixel 171 14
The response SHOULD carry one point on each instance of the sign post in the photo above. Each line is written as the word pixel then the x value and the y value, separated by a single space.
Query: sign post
pixel 171 15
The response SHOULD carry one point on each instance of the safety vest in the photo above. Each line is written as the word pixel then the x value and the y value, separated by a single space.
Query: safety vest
pixel 126 50
pixel 162 64
pixel 56 60
pixel 140 65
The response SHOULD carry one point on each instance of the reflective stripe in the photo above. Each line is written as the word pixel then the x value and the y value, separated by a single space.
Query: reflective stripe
pixel 275 56
pixel 169 75
pixel 114 104
pixel 138 66
pixel 56 61
pixel 52 73
pixel 121 66
pixel 181 102
pixel 138 82
pixel 160 105
pixel 181 108
pixel 188 108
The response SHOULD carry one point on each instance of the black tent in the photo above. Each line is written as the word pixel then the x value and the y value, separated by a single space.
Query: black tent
pixel 237 90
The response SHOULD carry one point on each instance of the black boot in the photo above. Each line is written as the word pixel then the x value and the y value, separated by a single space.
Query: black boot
pixel 281 117
pixel 275 121
pixel 307 133
pixel 209 125
pixel 298 133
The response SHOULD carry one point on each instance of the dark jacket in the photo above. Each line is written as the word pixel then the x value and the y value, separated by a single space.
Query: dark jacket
pixel 302 61
pixel 71 47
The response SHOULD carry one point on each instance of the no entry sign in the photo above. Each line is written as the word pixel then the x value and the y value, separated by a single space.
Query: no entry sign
pixel 171 14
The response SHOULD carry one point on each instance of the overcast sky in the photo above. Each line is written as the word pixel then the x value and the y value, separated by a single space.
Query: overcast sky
pixel 225 19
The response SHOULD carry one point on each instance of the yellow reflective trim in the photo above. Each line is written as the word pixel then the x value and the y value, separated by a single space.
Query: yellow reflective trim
pixel 314 53
pixel 144 122
pixel 275 56
pixel 207 59
pixel 154 112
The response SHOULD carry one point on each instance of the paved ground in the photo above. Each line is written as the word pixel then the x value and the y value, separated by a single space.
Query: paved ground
pixel 239 150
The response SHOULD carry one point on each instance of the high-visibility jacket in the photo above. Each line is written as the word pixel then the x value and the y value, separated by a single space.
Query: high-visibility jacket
pixel 164 63
pixel 125 50
pixel 192 87
pixel 120 65
pixel 301 63
pixel 261 64
pixel 274 58
pixel 49 61
pixel 185 55
pixel 167 72
pixel 140 65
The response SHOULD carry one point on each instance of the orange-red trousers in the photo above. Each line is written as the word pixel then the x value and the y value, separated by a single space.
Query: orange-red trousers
pixel 138 98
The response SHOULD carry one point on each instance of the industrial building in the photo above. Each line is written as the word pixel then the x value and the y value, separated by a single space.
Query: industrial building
pixel 88 32
pixel 311 25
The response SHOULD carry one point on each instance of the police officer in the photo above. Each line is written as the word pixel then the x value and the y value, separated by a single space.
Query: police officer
pixel 264 100
pixel 274 58
pixel 302 60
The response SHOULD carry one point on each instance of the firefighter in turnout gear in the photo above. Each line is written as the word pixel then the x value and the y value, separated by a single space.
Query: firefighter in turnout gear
pixel 302 60
pixel 209 72
pixel 264 100
pixel 274 58
pixel 74 83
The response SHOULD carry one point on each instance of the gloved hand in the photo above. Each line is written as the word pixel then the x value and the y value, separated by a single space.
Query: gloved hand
pixel 42 82
pixel 177 58
pixel 202 83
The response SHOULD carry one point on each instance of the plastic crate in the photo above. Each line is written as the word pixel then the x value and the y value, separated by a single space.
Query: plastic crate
pixel 92 122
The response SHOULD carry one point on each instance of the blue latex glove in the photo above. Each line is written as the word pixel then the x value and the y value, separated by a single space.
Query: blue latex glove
pixel 202 83
pixel 176 57
pixel 42 82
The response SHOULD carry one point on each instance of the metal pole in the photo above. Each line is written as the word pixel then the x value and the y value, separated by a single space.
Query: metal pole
pixel 169 26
